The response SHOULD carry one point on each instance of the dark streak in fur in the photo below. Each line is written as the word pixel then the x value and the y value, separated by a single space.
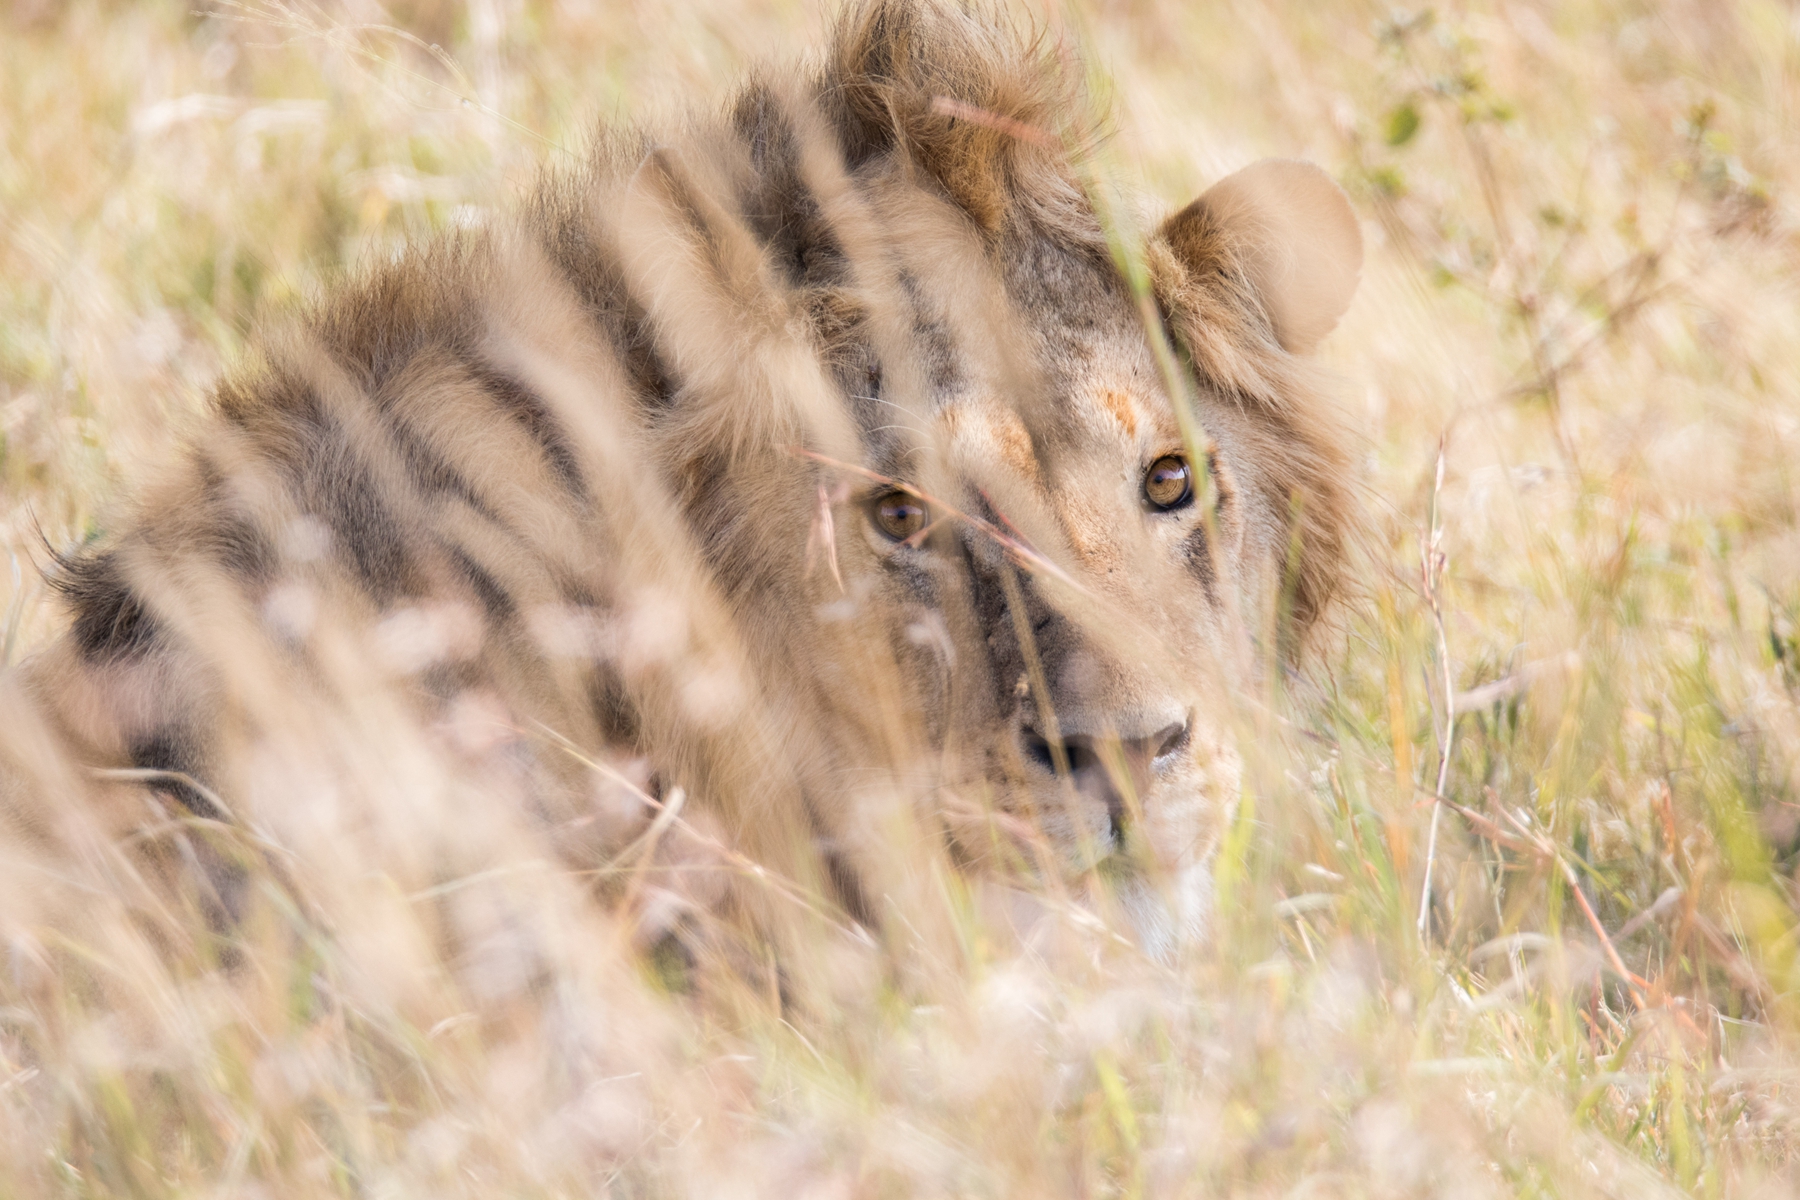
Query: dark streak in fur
pixel 932 339
pixel 778 206
pixel 613 708
pixel 362 523
pixel 525 406
pixel 111 623
pixel 494 601
pixel 562 223
pixel 431 473
pixel 168 751
pixel 987 600
pixel 1198 550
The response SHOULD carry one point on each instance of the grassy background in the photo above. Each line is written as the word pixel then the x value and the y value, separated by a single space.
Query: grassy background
pixel 1577 356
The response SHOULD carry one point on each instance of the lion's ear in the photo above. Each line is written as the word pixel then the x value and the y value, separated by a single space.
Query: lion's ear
pixel 1290 231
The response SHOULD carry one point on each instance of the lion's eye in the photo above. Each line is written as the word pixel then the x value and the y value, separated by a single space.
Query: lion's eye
pixel 898 515
pixel 1169 483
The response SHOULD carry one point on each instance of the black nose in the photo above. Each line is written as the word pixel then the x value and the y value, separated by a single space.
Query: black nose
pixel 1081 758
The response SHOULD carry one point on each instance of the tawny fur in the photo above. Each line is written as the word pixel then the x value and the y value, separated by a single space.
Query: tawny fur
pixel 611 465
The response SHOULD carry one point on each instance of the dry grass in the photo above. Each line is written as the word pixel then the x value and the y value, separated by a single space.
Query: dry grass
pixel 1580 294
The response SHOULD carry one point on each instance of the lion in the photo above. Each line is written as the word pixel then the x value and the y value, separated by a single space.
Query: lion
pixel 833 459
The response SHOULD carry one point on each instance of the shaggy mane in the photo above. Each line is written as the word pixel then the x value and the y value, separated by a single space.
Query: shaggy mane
pixel 997 114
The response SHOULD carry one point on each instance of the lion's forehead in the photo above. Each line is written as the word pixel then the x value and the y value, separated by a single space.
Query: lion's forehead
pixel 1078 455
pixel 985 431
pixel 1104 425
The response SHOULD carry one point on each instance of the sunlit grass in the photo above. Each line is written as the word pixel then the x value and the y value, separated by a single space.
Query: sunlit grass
pixel 1580 285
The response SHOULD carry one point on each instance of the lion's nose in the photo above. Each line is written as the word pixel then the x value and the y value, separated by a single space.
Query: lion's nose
pixel 1085 759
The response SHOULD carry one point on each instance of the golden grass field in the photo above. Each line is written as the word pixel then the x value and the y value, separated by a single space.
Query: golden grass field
pixel 1576 357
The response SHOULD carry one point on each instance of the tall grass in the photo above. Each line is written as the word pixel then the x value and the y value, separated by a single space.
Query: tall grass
pixel 1567 694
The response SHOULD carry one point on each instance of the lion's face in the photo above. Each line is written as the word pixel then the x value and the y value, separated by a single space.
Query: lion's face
pixel 1072 566
pixel 1101 718
pixel 1069 583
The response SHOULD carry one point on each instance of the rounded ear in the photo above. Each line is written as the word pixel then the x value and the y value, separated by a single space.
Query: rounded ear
pixel 1290 230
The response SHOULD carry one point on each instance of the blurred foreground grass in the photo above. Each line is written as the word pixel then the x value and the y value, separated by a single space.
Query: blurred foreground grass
pixel 1578 352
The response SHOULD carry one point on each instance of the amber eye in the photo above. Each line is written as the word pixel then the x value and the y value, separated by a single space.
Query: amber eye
pixel 898 515
pixel 1169 484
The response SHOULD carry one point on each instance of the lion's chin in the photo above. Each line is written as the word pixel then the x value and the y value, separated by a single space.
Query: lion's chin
pixel 1163 911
